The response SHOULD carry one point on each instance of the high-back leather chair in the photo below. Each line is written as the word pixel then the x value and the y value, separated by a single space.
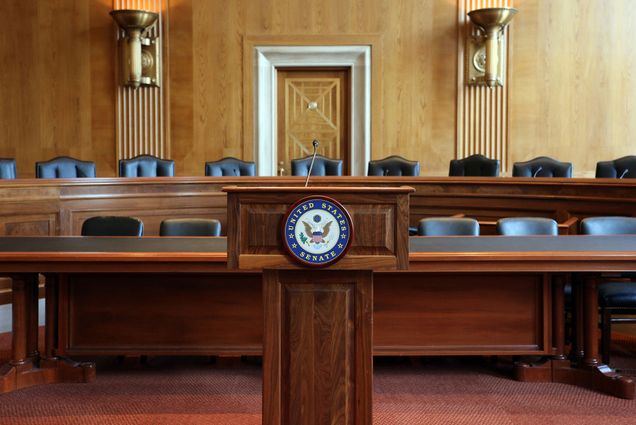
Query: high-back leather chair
pixel 393 165
pixel 615 295
pixel 323 166
pixel 190 227
pixel 113 226
pixel 7 168
pixel 448 226
pixel 230 167
pixel 527 226
pixel 542 166
pixel 64 167
pixel 474 165
pixel 146 166
pixel 621 168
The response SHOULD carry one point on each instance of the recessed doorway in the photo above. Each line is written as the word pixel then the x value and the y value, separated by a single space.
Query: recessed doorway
pixel 267 60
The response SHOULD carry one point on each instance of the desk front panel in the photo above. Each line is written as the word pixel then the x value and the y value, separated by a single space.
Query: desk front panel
pixel 439 314
pixel 161 314
pixel 221 314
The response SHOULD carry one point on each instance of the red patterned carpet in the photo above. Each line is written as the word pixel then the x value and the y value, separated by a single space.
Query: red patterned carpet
pixel 193 391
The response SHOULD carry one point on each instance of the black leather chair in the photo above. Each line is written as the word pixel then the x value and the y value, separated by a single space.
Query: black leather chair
pixel 621 168
pixel 64 167
pixel 323 166
pixel 146 166
pixel 542 166
pixel 474 165
pixel 527 226
pixel 616 295
pixel 190 227
pixel 113 226
pixel 448 226
pixel 7 168
pixel 230 167
pixel 393 166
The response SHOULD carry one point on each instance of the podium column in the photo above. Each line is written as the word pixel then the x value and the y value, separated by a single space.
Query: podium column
pixel 317 358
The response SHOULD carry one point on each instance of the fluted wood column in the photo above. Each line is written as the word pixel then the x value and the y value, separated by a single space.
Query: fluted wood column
pixel 482 112
pixel 141 116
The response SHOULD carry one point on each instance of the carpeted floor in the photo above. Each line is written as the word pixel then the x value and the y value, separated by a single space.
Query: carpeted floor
pixel 433 391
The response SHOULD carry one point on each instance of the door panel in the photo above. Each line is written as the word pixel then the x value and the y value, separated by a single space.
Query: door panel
pixel 312 104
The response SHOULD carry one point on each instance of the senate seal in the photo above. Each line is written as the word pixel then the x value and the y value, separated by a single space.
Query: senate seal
pixel 317 231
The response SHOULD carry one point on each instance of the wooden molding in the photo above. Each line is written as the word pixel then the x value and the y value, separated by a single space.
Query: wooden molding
pixel 482 113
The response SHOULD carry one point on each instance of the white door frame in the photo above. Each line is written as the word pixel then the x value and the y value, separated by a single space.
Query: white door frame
pixel 269 58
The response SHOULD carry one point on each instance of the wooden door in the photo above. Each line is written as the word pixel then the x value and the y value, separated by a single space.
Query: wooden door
pixel 313 103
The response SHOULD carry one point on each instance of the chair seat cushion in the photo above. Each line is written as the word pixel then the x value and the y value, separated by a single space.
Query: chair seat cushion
pixel 617 294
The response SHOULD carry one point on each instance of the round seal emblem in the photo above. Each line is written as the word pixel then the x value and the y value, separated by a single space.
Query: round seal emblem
pixel 317 231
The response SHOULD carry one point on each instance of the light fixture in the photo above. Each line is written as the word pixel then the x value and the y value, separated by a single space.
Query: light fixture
pixel 140 55
pixel 485 52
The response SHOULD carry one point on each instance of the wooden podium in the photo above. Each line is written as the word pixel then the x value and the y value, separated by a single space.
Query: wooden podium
pixel 318 336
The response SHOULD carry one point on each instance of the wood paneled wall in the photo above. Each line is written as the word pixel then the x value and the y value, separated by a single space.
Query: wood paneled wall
pixel 419 38
pixel 57 82
pixel 572 82
pixel 570 78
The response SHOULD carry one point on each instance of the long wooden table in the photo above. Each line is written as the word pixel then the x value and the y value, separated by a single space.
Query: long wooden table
pixel 460 296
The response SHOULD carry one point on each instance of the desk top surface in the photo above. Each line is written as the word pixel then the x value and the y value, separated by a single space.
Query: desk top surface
pixel 578 243
pixel 452 244
pixel 78 244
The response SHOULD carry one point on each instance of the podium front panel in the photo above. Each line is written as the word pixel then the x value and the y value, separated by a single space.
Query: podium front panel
pixel 379 216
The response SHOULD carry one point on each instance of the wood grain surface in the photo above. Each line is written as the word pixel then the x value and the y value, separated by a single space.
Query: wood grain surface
pixel 379 219
pixel 569 81
pixel 318 347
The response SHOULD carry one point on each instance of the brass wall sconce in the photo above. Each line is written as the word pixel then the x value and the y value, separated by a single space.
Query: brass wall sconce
pixel 485 52
pixel 140 55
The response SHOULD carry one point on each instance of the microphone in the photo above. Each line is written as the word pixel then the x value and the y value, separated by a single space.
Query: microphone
pixel 624 173
pixel 537 172
pixel 315 143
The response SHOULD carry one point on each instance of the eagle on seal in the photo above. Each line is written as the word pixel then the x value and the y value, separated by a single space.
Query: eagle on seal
pixel 317 231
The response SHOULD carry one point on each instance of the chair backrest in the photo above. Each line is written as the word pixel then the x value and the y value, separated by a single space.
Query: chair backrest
pixel 146 166
pixel 7 168
pixel 323 166
pixel 190 227
pixel 527 226
pixel 448 226
pixel 612 225
pixel 622 168
pixel 112 226
pixel 230 167
pixel 393 165
pixel 474 165
pixel 64 167
pixel 542 166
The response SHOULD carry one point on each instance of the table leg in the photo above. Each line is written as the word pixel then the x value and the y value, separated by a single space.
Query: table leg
pixel 577 352
pixel 32 292
pixel 587 371
pixel 596 375
pixel 50 337
pixel 67 370
pixel 558 317
pixel 547 370
pixel 22 370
